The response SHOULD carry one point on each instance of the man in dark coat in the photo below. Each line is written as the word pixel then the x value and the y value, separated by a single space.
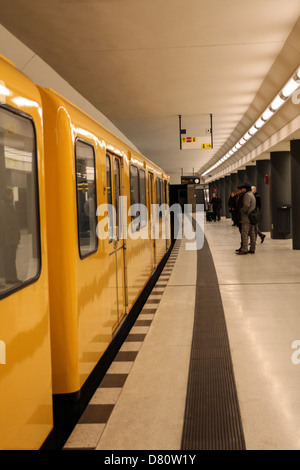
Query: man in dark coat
pixel 216 206
pixel 248 230
pixel 238 204
pixel 232 207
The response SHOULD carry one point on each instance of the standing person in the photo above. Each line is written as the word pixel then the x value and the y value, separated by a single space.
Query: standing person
pixel 258 206
pixel 232 206
pixel 238 206
pixel 249 204
pixel 216 206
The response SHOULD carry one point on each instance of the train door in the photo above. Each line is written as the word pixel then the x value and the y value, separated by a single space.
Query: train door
pixel 117 246
pixel 160 243
pixel 166 201
pixel 151 218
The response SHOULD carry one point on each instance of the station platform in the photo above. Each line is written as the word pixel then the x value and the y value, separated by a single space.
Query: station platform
pixel 209 363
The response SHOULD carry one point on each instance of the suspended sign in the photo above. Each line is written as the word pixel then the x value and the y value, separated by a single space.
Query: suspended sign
pixel 190 180
pixel 196 132
pixel 188 140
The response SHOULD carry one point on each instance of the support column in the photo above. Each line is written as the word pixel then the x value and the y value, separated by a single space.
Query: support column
pixel 227 195
pixel 251 172
pixel 295 184
pixel 281 226
pixel 211 190
pixel 222 196
pixel 234 181
pixel 263 189
pixel 217 187
pixel 242 177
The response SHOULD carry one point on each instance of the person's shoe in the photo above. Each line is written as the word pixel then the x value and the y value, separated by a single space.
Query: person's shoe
pixel 263 238
pixel 237 251
pixel 242 252
pixel 251 251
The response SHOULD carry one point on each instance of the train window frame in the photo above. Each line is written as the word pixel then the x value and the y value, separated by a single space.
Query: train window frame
pixel 89 144
pixel 162 191
pixel 109 214
pixel 159 192
pixel 135 228
pixel 144 221
pixel 165 184
pixel 36 196
pixel 117 194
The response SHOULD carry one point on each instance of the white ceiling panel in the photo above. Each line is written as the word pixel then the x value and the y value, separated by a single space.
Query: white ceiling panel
pixel 142 63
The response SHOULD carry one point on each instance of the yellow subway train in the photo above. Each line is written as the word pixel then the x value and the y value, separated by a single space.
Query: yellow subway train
pixel 69 278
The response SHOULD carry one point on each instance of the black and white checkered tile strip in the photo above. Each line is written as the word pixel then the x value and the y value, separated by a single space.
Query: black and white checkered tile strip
pixel 91 425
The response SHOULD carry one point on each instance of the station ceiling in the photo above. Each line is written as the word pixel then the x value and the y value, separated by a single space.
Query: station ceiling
pixel 143 63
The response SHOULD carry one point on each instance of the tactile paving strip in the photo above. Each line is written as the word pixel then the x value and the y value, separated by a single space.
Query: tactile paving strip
pixel 91 425
pixel 212 417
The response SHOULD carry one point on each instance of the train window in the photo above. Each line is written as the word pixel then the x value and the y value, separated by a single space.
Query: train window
pixel 150 182
pixel 159 195
pixel 117 194
pixel 20 258
pixel 142 182
pixel 109 199
pixel 166 192
pixel 158 200
pixel 161 187
pixel 134 195
pixel 86 198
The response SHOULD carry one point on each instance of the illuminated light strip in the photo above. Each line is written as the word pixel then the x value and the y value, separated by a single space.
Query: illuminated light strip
pixel 289 88
pixel 277 102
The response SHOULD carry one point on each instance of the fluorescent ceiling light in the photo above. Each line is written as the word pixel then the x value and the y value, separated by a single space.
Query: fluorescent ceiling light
pixel 259 123
pixel 252 131
pixel 290 87
pixel 277 102
pixel 267 114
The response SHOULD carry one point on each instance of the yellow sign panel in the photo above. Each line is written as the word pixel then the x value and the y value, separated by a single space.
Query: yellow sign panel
pixel 195 142
pixel 189 139
pixel 206 146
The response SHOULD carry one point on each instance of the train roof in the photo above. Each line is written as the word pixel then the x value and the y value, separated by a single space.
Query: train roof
pixel 15 80
pixel 132 154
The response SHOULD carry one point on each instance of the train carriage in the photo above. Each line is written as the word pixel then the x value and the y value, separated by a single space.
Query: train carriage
pixel 78 246
pixel 25 363
pixel 95 276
